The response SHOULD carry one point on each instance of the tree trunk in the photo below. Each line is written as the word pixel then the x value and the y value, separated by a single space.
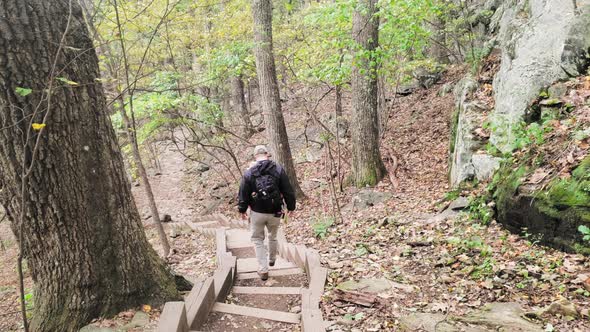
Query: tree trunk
pixel 269 89
pixel 240 108
pixel 82 236
pixel 367 166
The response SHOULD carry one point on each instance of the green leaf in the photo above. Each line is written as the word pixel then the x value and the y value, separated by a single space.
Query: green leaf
pixel 67 81
pixel 584 229
pixel 23 91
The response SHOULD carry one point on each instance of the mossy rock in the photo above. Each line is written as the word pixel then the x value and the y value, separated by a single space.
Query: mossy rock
pixel 554 212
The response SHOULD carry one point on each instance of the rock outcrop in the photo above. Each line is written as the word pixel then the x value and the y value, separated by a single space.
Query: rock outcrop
pixel 542 41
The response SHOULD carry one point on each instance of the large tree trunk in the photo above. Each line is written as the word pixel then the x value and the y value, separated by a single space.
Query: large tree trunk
pixel 82 235
pixel 240 108
pixel 367 166
pixel 269 89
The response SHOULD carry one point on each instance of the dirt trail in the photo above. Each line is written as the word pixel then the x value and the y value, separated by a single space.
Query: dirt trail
pixel 167 187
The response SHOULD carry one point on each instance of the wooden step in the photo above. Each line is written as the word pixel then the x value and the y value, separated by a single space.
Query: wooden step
pixel 271 273
pixel 279 316
pixel 251 265
pixel 267 290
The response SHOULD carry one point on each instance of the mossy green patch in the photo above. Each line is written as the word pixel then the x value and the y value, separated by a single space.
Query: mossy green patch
pixel 556 210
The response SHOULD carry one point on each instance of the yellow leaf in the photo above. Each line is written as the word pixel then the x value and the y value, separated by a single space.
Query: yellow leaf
pixel 146 308
pixel 38 126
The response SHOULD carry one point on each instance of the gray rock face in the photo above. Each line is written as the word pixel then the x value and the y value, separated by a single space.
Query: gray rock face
pixel 484 166
pixel 542 41
pixel 470 117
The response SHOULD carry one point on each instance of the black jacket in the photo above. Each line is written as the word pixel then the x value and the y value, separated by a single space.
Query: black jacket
pixel 248 187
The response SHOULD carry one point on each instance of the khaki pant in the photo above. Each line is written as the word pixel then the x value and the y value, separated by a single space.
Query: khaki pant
pixel 258 221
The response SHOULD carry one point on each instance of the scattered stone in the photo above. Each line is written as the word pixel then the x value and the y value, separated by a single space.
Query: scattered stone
pixel 492 317
pixel 367 198
pixel 203 168
pixel 558 90
pixel 561 307
pixel 265 325
pixel 90 328
pixel 219 185
pixel 140 319
pixel 459 204
pixel 295 309
pixel 376 286
pixel 446 89
pixel 335 265
pixel 422 322
pixel 166 218
pixel 551 102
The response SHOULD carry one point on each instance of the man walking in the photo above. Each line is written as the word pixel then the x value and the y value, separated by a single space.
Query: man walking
pixel 264 187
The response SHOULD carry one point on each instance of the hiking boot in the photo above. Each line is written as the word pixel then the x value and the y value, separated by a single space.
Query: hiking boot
pixel 271 263
pixel 263 275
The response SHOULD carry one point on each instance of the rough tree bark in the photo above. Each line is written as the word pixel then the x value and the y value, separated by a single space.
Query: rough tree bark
pixel 82 236
pixel 240 108
pixel 367 165
pixel 269 89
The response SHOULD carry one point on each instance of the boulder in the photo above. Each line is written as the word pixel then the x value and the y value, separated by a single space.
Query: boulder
pixel 484 166
pixel 374 286
pixel 91 328
pixel 203 168
pixel 367 198
pixel 554 211
pixel 140 319
pixel 492 317
pixel 542 41
pixel 465 142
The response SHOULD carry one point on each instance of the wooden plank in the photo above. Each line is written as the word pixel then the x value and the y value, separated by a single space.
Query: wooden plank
pixel 230 261
pixel 281 247
pixel 271 273
pixel 202 224
pixel 250 264
pixel 311 315
pixel 279 316
pixel 267 290
pixel 222 281
pixel 238 235
pixel 220 243
pixel 290 252
pixel 312 260
pixel 194 293
pixel 239 245
pixel 198 310
pixel 173 318
pixel 300 255
pixel 222 219
pixel 317 282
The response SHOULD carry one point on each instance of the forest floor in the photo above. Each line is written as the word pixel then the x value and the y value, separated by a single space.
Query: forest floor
pixel 435 264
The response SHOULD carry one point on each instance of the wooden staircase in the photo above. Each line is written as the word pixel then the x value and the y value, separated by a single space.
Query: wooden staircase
pixel 236 267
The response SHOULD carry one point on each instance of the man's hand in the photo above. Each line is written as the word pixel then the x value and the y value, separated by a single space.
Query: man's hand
pixel 244 216
pixel 291 214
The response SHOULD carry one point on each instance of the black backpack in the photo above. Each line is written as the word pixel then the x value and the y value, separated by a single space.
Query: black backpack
pixel 266 183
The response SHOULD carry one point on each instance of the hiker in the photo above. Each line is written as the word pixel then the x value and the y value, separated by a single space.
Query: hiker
pixel 264 187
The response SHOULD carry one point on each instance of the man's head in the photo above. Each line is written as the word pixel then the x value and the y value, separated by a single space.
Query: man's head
pixel 261 153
